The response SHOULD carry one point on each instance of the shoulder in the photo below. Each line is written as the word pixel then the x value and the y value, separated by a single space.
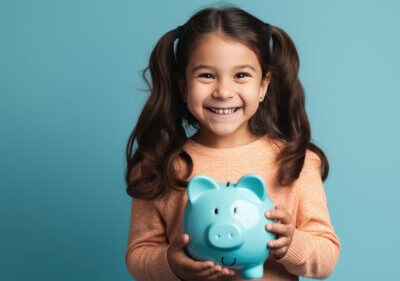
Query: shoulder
pixel 311 166
pixel 136 172
pixel 312 158
pixel 276 145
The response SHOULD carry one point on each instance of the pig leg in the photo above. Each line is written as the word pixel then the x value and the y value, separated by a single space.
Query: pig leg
pixel 252 272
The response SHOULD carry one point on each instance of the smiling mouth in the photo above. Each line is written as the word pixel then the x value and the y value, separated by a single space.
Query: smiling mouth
pixel 234 261
pixel 223 111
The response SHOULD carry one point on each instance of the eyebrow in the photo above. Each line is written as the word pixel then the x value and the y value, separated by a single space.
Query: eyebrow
pixel 200 66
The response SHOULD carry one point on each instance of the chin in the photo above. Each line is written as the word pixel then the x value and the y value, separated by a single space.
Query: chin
pixel 224 134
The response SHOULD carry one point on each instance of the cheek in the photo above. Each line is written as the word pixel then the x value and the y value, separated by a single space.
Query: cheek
pixel 195 103
pixel 251 96
pixel 197 94
pixel 251 107
pixel 194 99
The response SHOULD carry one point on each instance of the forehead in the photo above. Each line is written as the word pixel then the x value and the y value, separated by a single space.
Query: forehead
pixel 222 52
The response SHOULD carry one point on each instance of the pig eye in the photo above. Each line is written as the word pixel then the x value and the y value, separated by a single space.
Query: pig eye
pixel 216 210
pixel 235 210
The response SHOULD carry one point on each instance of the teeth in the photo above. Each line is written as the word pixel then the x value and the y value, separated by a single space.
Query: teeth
pixel 223 111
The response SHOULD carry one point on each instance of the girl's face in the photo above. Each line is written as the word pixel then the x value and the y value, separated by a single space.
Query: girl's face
pixel 223 90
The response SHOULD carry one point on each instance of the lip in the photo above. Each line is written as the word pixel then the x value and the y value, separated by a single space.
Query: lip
pixel 227 107
pixel 224 116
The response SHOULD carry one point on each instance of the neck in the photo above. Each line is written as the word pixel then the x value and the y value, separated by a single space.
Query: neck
pixel 215 141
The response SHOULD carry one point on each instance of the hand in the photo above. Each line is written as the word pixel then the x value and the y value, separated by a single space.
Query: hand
pixel 284 228
pixel 188 269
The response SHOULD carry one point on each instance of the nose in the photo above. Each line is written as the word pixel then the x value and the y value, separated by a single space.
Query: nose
pixel 224 89
pixel 225 235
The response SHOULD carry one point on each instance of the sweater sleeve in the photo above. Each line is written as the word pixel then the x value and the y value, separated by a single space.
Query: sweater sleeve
pixel 315 247
pixel 146 254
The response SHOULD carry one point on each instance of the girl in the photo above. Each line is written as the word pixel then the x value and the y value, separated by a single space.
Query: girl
pixel 233 78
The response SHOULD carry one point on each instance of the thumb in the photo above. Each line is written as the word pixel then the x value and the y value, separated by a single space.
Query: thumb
pixel 180 242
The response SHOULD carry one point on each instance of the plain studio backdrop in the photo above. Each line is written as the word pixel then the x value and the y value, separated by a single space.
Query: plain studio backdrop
pixel 70 95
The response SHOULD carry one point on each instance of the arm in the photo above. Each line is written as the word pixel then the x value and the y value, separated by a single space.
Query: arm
pixel 146 254
pixel 315 247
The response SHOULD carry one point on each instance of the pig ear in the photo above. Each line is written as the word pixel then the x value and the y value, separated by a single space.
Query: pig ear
pixel 255 183
pixel 199 185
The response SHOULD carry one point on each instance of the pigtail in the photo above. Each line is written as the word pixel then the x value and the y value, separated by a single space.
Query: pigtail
pixel 159 132
pixel 286 104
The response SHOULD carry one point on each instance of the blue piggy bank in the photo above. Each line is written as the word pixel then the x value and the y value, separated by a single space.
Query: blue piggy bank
pixel 226 223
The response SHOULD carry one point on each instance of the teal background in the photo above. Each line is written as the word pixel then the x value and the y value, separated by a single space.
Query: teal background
pixel 70 95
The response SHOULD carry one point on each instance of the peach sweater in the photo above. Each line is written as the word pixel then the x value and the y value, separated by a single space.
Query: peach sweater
pixel 313 251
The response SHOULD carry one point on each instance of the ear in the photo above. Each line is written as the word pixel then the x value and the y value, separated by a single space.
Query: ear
pixel 264 84
pixel 198 185
pixel 254 183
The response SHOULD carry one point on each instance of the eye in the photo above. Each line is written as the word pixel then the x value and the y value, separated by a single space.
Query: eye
pixel 245 74
pixel 216 211
pixel 235 210
pixel 205 74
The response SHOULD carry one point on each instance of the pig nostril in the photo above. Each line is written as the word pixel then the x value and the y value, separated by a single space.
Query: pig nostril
pixel 218 236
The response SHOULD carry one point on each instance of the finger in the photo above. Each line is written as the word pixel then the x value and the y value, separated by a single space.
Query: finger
pixel 225 277
pixel 188 263
pixel 287 217
pixel 197 266
pixel 278 243
pixel 279 214
pixel 279 252
pixel 223 273
pixel 210 272
pixel 201 267
pixel 179 243
pixel 275 213
pixel 216 274
pixel 278 228
pixel 231 273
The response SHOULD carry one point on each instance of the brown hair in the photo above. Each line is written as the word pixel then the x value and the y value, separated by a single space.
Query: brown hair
pixel 161 128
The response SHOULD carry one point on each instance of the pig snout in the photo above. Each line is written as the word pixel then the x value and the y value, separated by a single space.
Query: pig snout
pixel 225 235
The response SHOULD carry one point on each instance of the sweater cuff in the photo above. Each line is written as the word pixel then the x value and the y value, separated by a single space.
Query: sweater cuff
pixel 165 270
pixel 297 251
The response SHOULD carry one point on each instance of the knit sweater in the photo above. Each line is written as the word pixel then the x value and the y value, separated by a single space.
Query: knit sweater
pixel 313 251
